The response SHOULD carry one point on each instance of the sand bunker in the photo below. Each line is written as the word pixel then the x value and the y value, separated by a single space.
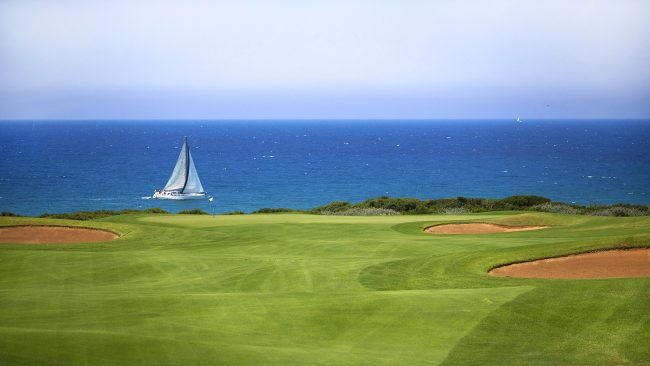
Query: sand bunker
pixel 605 264
pixel 478 228
pixel 52 235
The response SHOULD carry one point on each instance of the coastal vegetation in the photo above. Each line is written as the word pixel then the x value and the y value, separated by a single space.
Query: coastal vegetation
pixel 305 289
pixel 91 215
pixel 385 205
pixel 8 214
pixel 363 211
pixel 194 211
pixel 461 205
pixel 267 210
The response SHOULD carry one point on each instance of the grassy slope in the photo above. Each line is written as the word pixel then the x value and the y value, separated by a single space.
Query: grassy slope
pixel 302 289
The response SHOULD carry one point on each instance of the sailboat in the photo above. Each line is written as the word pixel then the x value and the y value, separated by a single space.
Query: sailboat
pixel 184 183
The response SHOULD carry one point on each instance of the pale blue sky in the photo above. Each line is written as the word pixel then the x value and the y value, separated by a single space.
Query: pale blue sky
pixel 324 59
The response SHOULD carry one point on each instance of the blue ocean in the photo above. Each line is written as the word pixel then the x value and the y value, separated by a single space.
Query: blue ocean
pixel 63 166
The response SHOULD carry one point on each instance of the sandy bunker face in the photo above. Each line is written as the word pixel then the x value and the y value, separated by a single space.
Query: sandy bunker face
pixel 478 228
pixel 52 235
pixel 605 264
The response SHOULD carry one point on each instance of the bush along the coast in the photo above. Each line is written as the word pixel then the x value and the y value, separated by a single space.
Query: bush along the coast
pixel 556 207
pixel 455 211
pixel 385 205
pixel 463 205
pixel 368 211
pixel 267 210
pixel 10 214
pixel 457 205
pixel 91 215
pixel 156 210
pixel 403 205
pixel 330 208
pixel 620 209
pixel 525 201
pixel 195 211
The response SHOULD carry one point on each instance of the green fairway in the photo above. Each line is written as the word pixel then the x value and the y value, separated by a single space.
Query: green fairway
pixel 298 289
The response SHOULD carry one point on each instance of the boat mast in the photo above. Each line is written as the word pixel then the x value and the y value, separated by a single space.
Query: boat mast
pixel 187 163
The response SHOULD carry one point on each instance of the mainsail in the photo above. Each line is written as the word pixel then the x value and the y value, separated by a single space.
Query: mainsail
pixel 184 178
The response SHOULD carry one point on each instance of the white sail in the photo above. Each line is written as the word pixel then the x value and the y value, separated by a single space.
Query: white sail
pixel 193 184
pixel 184 178
pixel 177 180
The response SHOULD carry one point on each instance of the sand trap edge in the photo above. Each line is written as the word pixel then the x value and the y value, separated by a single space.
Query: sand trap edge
pixel 488 228
pixel 114 235
pixel 570 255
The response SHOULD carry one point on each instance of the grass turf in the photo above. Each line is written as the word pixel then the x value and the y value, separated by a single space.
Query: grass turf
pixel 296 289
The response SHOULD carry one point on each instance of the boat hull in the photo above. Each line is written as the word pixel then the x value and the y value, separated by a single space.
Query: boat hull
pixel 179 196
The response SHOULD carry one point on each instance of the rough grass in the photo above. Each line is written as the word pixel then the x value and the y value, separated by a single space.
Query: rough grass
pixel 296 289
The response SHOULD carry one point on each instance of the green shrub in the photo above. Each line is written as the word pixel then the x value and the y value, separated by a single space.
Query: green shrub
pixel 10 214
pixel 463 205
pixel 335 206
pixel 559 208
pixel 457 205
pixel 385 205
pixel 88 215
pixel 635 207
pixel 455 211
pixel 91 215
pixel 619 211
pixel 273 210
pixel 403 205
pixel 155 210
pixel 194 211
pixel 368 211
pixel 524 201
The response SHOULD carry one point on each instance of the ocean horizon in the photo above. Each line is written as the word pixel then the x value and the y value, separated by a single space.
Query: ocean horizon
pixel 64 166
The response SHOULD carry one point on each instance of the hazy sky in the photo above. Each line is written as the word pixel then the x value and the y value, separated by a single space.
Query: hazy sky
pixel 324 59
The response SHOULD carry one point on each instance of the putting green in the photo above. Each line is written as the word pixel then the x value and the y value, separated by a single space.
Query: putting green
pixel 295 289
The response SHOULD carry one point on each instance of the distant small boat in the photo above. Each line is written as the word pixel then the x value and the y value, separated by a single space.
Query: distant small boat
pixel 184 183
pixel 519 120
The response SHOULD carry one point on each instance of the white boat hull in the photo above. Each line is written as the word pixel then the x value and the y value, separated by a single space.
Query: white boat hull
pixel 178 196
